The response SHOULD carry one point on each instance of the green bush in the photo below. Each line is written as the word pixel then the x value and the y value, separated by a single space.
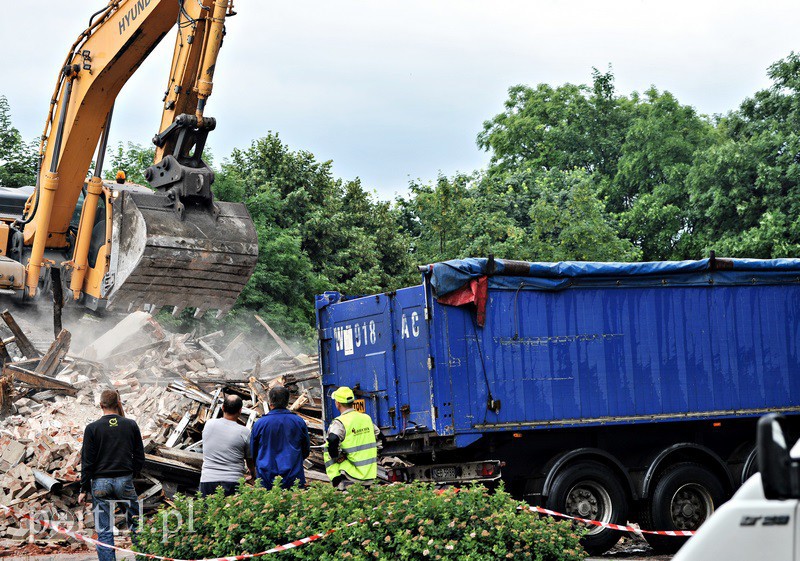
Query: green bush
pixel 400 522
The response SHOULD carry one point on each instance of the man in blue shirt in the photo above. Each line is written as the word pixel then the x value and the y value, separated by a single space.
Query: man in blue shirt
pixel 280 442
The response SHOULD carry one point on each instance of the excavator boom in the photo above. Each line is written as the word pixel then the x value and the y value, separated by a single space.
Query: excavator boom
pixel 173 245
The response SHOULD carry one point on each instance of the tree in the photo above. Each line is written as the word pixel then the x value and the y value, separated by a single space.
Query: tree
pixel 18 160
pixel 637 151
pixel 571 223
pixel 315 232
pixel 745 190
pixel 529 214
pixel 131 158
pixel 562 127
pixel 649 190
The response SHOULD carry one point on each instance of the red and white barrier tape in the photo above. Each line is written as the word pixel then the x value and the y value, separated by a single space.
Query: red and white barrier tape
pixel 98 543
pixel 316 537
pixel 619 527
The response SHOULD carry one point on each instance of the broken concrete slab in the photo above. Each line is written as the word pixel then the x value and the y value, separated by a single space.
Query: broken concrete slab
pixel 130 332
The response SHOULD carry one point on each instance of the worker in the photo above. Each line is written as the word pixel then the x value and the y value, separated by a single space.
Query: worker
pixel 351 455
pixel 280 442
pixel 112 454
pixel 226 450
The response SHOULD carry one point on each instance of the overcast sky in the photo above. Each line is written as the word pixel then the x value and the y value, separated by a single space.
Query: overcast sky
pixel 392 91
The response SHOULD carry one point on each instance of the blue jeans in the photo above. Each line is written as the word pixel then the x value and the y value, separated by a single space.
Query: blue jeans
pixel 107 492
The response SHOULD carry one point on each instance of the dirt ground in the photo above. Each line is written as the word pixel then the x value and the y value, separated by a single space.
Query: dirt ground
pixel 632 549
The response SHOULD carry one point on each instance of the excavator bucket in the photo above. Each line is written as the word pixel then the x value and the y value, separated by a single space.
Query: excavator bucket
pixel 202 260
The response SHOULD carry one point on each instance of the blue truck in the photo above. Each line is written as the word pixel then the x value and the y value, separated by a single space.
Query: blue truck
pixel 610 391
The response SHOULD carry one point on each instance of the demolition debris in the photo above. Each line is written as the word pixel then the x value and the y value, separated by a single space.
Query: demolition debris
pixel 171 384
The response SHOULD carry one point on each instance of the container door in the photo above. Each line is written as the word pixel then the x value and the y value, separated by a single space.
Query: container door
pixel 356 349
pixel 415 388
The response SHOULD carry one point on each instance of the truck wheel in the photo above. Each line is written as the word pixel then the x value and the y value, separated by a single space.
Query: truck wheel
pixel 684 497
pixel 591 490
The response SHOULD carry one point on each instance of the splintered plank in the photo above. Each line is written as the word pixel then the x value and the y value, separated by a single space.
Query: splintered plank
pixel 274 335
pixel 38 381
pixel 194 459
pixel 6 395
pixel 299 402
pixel 54 355
pixel 23 343
pixel 238 340
pixel 179 430
pixel 210 350
pixel 4 356
pixel 258 391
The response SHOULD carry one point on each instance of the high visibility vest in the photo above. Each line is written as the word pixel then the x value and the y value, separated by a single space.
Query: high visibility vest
pixel 359 447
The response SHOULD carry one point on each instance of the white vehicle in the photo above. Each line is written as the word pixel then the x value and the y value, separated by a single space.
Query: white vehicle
pixel 760 522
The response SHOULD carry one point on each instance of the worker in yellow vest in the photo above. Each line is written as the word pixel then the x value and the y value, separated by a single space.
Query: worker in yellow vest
pixel 351 455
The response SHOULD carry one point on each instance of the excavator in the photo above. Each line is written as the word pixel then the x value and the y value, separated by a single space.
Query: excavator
pixel 116 244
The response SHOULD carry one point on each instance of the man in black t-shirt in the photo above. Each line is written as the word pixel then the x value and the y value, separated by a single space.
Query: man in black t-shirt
pixel 112 453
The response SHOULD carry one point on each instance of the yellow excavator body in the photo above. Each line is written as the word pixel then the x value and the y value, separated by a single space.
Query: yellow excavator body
pixel 129 246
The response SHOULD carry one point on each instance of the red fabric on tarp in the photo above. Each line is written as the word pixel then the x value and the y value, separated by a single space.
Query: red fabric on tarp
pixel 474 292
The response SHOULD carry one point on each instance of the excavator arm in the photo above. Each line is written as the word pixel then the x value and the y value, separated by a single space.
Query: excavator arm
pixel 166 244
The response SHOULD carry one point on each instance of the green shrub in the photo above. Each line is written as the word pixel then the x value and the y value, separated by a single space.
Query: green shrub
pixel 400 522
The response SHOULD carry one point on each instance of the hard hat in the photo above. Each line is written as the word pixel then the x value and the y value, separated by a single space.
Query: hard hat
pixel 344 395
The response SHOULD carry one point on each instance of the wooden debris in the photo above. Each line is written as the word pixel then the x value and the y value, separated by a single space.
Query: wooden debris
pixel 210 350
pixel 233 345
pixel 5 357
pixel 171 384
pixel 211 336
pixel 6 394
pixel 288 351
pixel 23 343
pixel 173 439
pixel 299 402
pixel 37 380
pixel 52 358
pixel 194 459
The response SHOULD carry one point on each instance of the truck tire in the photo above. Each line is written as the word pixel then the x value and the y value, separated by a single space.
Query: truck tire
pixel 684 497
pixel 591 490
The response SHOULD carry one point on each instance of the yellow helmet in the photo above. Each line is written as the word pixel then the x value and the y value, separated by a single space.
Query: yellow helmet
pixel 344 395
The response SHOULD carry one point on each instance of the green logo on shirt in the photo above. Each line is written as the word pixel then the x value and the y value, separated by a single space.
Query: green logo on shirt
pixel 113 421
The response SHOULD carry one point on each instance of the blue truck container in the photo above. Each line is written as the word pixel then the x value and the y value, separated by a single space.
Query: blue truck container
pixel 650 374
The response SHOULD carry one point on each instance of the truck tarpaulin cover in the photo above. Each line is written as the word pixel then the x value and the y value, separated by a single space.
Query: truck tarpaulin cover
pixel 466 281
pixel 450 276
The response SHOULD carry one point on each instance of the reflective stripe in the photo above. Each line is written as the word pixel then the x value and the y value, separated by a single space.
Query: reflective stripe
pixel 352 449
pixel 359 447
pixel 359 463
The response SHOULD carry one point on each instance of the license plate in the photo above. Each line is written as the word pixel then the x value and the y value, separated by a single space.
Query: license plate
pixel 360 406
pixel 444 473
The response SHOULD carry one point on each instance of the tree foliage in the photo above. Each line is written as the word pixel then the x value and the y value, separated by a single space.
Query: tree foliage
pixel 404 522
pixel 576 172
pixel 315 232
pixel 745 189
pixel 18 160
pixel 132 158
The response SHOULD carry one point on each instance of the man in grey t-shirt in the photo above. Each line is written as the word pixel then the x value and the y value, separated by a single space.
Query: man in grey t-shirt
pixel 226 448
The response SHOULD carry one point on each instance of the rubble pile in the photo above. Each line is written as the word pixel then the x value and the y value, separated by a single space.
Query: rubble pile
pixel 171 384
